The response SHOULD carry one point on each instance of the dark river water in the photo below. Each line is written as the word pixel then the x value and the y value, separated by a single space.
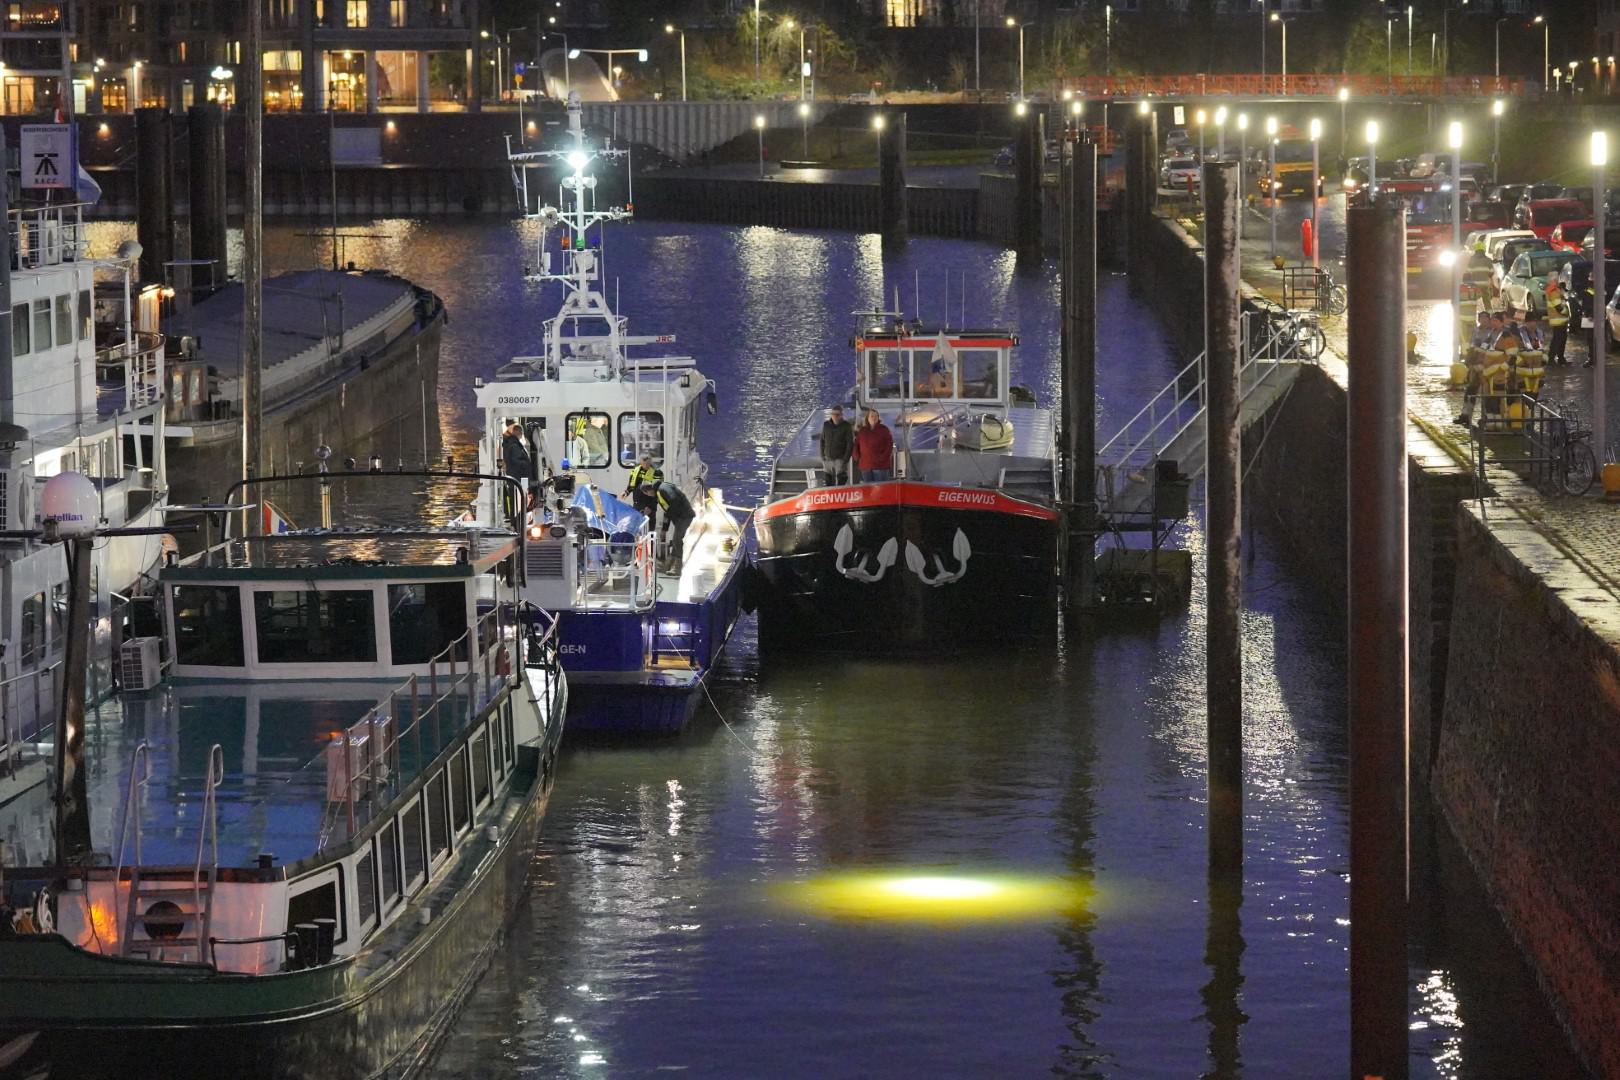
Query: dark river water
pixel 760 897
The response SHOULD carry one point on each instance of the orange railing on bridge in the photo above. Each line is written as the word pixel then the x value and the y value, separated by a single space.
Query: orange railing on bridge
pixel 1305 86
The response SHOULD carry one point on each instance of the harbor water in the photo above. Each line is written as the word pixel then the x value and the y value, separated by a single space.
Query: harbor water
pixel 989 865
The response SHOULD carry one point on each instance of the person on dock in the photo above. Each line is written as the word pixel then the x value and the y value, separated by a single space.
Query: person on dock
pixel 1483 353
pixel 1558 321
pixel 874 449
pixel 677 516
pixel 837 447
pixel 643 472
pixel 516 461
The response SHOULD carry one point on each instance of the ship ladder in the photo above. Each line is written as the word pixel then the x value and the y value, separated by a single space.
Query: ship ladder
pixel 191 929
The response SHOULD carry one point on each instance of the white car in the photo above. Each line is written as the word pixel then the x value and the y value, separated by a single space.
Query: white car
pixel 1178 172
pixel 1496 238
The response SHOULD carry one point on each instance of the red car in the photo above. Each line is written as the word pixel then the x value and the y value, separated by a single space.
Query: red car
pixel 1568 235
pixel 1544 215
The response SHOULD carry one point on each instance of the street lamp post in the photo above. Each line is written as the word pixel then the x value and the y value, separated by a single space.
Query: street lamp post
pixel 759 128
pixel 1389 53
pixel 1372 160
pixel 1344 131
pixel 1546 39
pixel 756 40
pixel 1497 108
pixel 1014 24
pixel 1276 18
pixel 804 69
pixel 1454 139
pixel 978 88
pixel 1271 178
pixel 1262 39
pixel 1243 170
pixel 1600 303
pixel 804 124
pixel 1108 40
pixel 1316 173
pixel 568 82
pixel 877 131
pixel 669 28
pixel 1409 39
pixel 1220 133
pixel 1201 118
pixel 1498 36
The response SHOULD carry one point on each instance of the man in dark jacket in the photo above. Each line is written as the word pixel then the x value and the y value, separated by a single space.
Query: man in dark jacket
pixel 516 461
pixel 675 516
pixel 837 444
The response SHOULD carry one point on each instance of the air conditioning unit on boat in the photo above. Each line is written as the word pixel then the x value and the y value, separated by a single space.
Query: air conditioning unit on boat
pixel 139 664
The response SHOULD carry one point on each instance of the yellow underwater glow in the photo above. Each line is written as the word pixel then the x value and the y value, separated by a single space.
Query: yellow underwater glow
pixel 937 897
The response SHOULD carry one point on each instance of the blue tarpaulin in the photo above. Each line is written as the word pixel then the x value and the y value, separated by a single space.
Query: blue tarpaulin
pixel 608 513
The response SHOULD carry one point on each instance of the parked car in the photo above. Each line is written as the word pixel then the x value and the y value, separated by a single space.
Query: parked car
pixel 1005 156
pixel 1544 215
pixel 1611 313
pixel 1491 245
pixel 1177 172
pixel 1533 193
pixel 1582 195
pixel 1524 286
pixel 1479 172
pixel 1567 236
pixel 1488 214
pixel 1509 253
pixel 1611 244
pixel 1177 141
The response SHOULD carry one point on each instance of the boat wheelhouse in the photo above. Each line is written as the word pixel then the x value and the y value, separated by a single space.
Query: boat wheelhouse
pixel 959 544
pixel 639 625
pixel 307 819
pixel 81 390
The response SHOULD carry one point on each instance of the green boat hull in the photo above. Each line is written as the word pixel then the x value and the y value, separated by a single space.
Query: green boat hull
pixel 376 1014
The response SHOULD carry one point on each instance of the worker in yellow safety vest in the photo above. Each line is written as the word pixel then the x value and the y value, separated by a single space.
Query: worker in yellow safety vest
pixel 644 472
pixel 1558 321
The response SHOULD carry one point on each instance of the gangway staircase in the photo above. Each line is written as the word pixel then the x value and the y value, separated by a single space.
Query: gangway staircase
pixel 1144 471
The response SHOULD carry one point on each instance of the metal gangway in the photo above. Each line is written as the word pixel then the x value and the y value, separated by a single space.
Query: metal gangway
pixel 1162 447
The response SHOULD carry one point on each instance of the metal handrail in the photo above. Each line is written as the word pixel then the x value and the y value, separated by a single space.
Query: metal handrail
pixel 132 805
pixel 207 831
pixel 12 737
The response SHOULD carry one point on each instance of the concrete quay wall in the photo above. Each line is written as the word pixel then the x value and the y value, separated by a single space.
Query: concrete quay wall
pixel 1515 663
pixel 1528 772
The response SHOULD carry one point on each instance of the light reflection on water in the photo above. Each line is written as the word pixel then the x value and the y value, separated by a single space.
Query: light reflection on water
pixel 653 943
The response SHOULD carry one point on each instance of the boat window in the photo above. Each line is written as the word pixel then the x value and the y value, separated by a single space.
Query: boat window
pixel 459 813
pixel 589 440
pixel 42 324
pixel 208 625
pixel 497 733
pixel 320 902
pixel 480 768
pixel 307 627
pixel 87 316
pixel 365 889
pixel 884 378
pixel 438 830
pixel 511 742
pixel 641 433
pixel 388 849
pixel 933 374
pixel 33 629
pixel 64 319
pixel 19 330
pixel 415 854
pixel 423 619
pixel 980 371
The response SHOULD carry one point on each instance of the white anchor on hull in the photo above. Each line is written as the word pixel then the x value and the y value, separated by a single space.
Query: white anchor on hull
pixel 844 543
pixel 917 562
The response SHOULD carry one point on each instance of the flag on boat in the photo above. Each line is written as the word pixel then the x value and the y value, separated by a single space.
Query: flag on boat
pixel 944 352
pixel 85 187
pixel 275 521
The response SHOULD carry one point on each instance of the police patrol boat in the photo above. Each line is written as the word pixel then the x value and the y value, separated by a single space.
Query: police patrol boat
pixel 83 390
pixel 292 842
pixel 639 627
pixel 959 545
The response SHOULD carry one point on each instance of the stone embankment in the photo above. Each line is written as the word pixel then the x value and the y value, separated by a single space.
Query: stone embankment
pixel 1515 651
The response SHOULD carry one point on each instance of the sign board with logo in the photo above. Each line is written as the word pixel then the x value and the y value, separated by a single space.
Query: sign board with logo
pixel 49 155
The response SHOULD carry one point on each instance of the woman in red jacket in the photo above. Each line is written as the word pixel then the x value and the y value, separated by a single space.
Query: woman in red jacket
pixel 874 449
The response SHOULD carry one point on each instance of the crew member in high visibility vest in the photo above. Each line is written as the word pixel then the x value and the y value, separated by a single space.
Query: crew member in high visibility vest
pixel 642 473
pixel 1558 320
pixel 677 513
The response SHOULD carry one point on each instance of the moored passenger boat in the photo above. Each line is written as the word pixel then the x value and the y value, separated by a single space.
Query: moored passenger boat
pixel 958 544
pixel 640 620
pixel 292 843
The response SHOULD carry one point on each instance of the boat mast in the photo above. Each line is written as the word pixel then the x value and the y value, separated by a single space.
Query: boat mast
pixel 253 257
